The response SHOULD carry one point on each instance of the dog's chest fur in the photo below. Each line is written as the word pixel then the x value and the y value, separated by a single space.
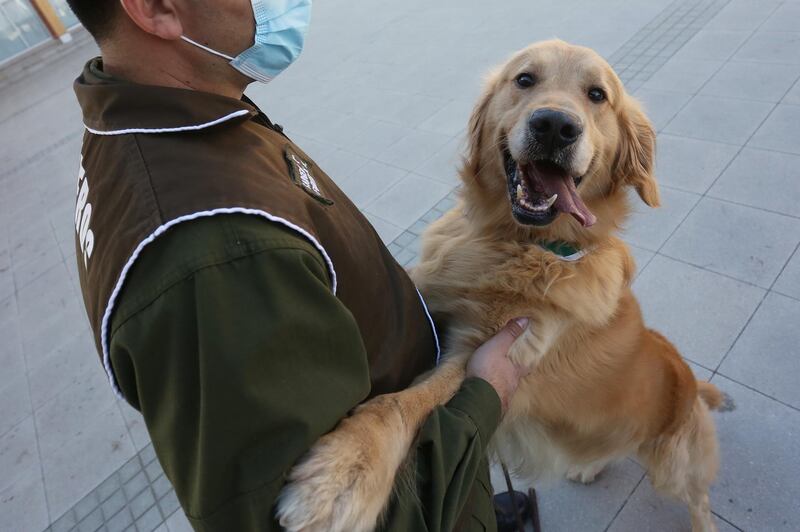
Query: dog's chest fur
pixel 477 284
pixel 480 283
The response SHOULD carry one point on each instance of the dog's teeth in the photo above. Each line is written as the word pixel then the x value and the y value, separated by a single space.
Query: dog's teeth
pixel 520 194
pixel 552 200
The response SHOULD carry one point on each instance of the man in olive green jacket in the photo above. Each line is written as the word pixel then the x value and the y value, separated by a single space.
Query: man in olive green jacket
pixel 238 299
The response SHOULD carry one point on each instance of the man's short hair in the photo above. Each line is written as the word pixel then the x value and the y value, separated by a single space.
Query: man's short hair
pixel 97 16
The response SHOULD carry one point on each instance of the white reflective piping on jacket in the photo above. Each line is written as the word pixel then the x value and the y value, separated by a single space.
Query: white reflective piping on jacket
pixel 161 230
pixel 155 131
pixel 433 327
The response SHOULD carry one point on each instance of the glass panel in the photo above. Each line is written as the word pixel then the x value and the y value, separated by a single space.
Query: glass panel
pixel 20 28
pixel 64 12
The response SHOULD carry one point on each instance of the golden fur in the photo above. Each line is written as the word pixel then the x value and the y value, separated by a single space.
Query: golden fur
pixel 603 385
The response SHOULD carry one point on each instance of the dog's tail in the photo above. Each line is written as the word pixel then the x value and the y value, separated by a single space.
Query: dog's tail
pixel 714 398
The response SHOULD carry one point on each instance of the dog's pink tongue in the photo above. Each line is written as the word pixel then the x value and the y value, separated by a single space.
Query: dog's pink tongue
pixel 557 181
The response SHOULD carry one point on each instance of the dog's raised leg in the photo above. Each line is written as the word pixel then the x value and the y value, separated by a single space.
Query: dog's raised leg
pixel 346 479
pixel 684 464
pixel 700 512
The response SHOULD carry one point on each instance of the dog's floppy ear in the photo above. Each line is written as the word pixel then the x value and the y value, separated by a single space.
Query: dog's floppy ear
pixel 476 126
pixel 637 152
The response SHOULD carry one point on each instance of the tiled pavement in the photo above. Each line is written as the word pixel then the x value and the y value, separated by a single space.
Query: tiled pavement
pixel 380 99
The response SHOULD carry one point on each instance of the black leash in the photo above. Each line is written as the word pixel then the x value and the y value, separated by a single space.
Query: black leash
pixel 533 503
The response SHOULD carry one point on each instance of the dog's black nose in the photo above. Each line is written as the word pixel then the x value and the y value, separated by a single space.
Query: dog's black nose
pixel 554 129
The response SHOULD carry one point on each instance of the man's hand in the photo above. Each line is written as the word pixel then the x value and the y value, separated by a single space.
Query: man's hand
pixel 491 363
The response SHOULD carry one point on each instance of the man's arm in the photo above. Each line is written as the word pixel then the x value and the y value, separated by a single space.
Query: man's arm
pixel 240 363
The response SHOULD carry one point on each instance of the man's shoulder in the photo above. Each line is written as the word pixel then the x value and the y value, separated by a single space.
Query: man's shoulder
pixel 193 246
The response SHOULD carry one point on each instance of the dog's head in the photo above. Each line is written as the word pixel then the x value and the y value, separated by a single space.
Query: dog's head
pixel 555 133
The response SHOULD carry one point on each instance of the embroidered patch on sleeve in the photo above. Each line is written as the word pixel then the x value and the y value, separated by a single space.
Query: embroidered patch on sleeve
pixel 301 172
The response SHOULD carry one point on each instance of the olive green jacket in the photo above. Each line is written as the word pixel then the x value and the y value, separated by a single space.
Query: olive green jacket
pixel 229 340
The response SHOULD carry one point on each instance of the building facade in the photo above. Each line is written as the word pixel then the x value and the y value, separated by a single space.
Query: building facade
pixel 29 24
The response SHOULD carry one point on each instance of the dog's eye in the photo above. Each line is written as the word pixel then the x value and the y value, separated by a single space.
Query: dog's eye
pixel 597 95
pixel 525 81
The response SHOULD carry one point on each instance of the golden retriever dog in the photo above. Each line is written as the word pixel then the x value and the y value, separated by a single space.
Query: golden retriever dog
pixel 554 145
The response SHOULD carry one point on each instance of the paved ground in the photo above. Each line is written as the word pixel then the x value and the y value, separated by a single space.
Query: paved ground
pixel 381 99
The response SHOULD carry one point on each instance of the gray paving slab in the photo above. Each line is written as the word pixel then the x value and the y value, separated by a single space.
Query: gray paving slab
pixel 62 108
pixel 756 488
pixel 370 181
pixel 642 258
pixel 17 457
pixel 40 338
pixel 700 373
pixel 15 405
pixel 374 137
pixel 6 277
pixel 598 502
pixel 650 228
pixel 413 151
pixel 683 75
pixel 92 522
pixel 177 522
pixel 444 165
pixel 408 199
pixel 61 73
pixel 315 149
pixel 65 523
pixel 685 304
pixel 772 47
pixel 82 440
pixel 647 511
pixel 720 119
pixel 743 15
pixel 150 520
pixel 765 356
pixel 711 44
pixel 142 502
pixel 114 503
pixel 789 281
pixel 121 521
pixel 11 358
pixel 23 506
pixel 691 164
pixel 407 109
pixel 785 18
pixel 31 269
pixel 662 106
pixel 386 230
pixel 780 131
pixel 450 120
pixel 752 81
pixel 325 125
pixel 340 164
pixel 764 179
pixel 50 293
pixel 746 243
pixel 168 503
pixel 66 364
pixel 793 96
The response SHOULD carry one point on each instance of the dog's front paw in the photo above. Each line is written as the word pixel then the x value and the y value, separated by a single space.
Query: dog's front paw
pixel 585 474
pixel 346 479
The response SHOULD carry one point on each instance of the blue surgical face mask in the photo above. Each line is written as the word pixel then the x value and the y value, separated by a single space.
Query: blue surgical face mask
pixel 281 27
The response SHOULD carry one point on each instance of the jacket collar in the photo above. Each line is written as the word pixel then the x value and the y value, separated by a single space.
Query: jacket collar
pixel 115 107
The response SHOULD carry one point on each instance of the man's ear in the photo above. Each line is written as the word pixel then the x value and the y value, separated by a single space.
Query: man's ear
pixel 477 123
pixel 636 154
pixel 156 17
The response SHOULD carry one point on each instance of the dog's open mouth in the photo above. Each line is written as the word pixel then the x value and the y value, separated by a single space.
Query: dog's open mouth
pixel 541 190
